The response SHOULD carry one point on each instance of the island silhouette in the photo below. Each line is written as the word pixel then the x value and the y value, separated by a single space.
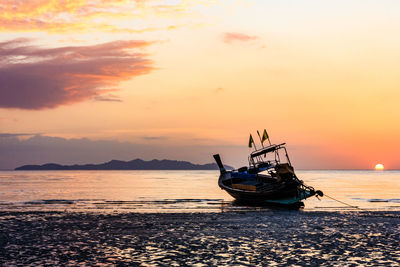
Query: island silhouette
pixel 136 164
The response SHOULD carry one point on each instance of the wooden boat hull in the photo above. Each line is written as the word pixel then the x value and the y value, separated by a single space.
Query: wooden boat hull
pixel 263 199
pixel 285 194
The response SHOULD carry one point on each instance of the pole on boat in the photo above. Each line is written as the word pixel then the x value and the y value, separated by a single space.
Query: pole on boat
pixel 251 142
pixel 266 137
pixel 261 141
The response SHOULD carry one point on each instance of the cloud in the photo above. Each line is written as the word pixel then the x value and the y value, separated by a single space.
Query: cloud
pixel 82 15
pixel 32 77
pixel 219 90
pixel 11 135
pixel 154 138
pixel 108 98
pixel 231 37
pixel 40 149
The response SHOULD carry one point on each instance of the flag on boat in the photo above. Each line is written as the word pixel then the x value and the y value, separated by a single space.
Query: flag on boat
pixel 265 136
pixel 251 141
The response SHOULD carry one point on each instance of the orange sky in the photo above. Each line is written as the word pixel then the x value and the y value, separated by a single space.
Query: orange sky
pixel 186 79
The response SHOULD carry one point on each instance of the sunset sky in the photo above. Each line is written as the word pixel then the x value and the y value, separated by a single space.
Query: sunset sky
pixel 90 81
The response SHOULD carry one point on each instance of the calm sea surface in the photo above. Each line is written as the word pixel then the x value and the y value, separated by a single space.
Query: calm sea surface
pixel 180 191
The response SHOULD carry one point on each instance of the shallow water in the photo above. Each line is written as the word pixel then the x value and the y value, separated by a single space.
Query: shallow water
pixel 180 191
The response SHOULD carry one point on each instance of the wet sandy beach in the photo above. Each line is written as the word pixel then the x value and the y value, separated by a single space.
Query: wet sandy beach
pixel 202 239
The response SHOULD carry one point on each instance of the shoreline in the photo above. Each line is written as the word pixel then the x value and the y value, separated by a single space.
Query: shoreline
pixel 276 237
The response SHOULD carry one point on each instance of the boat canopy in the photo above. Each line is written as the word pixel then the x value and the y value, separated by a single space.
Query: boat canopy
pixel 259 160
pixel 266 150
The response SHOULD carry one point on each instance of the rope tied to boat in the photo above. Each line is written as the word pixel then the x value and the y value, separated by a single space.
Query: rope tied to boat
pixel 318 193
pixel 355 207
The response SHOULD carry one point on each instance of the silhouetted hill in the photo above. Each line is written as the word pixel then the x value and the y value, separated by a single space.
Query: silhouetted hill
pixel 136 164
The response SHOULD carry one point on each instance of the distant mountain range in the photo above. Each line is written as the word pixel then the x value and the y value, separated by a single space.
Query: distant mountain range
pixel 136 164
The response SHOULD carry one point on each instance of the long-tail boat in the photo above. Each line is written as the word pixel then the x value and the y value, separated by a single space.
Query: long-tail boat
pixel 269 179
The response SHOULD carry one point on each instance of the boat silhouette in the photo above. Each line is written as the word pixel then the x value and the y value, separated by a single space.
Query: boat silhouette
pixel 268 180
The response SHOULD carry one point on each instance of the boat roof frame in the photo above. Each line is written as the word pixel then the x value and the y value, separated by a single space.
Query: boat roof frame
pixel 265 150
pixel 268 149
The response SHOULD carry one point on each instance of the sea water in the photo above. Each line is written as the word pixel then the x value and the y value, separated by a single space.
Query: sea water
pixel 181 191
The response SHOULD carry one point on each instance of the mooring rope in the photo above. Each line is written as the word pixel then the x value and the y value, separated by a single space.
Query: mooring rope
pixel 356 207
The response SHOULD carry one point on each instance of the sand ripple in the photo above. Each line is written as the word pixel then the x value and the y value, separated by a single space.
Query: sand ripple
pixel 200 239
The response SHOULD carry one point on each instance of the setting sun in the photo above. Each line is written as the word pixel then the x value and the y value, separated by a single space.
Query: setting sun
pixel 379 167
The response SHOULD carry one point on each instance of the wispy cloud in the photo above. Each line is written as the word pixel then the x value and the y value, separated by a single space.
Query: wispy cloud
pixel 32 77
pixel 154 138
pixel 231 37
pixel 219 90
pixel 83 15
pixel 108 98
pixel 7 135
